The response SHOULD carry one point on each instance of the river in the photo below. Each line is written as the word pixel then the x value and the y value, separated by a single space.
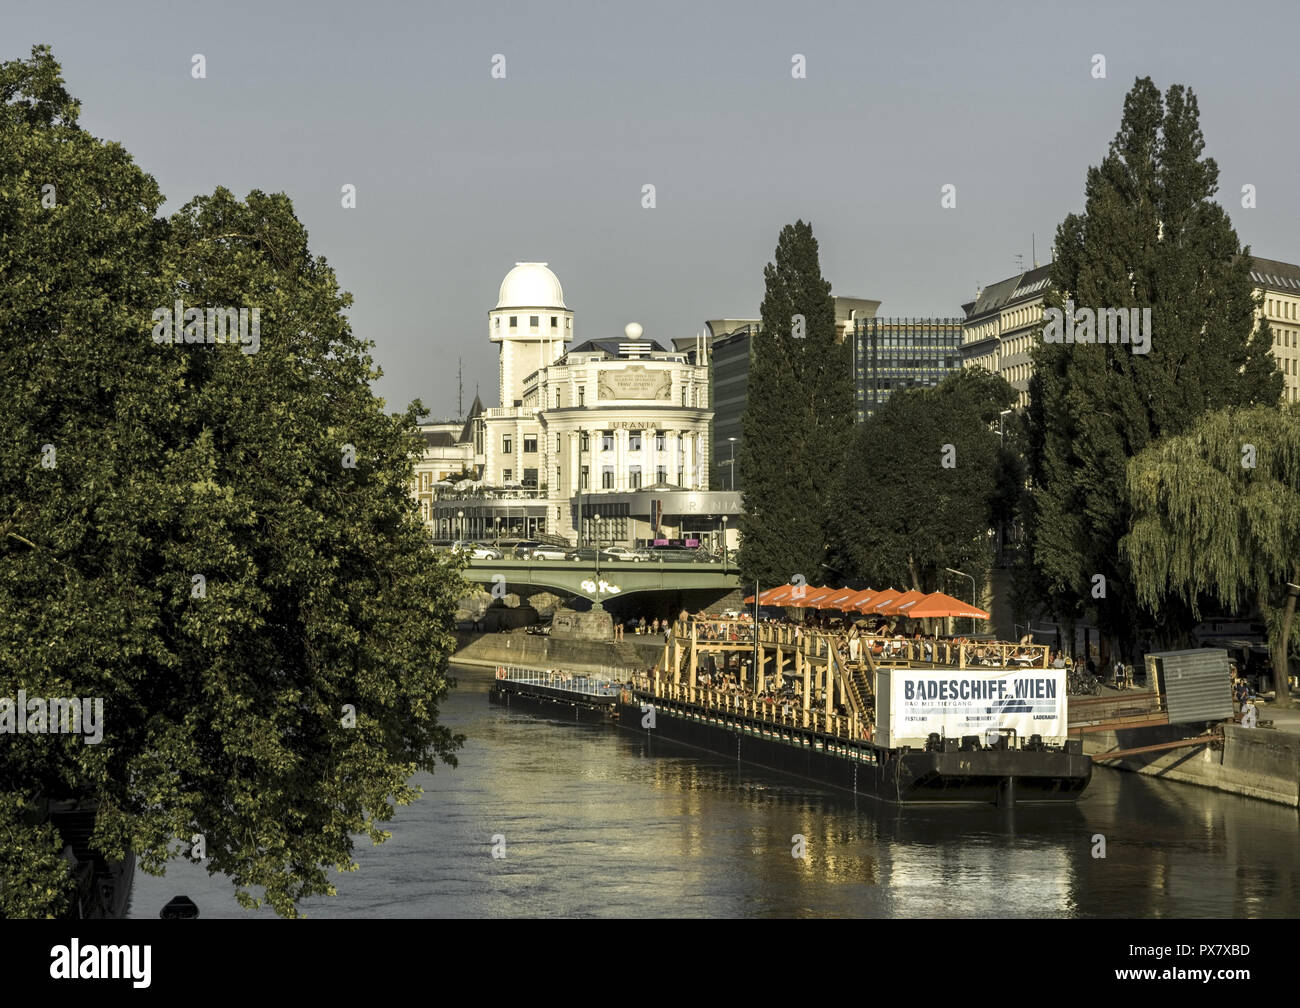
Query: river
pixel 594 827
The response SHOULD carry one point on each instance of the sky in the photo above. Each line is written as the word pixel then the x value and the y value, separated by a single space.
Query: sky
pixel 459 175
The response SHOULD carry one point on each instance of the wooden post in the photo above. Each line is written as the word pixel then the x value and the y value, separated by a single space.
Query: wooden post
pixel 802 669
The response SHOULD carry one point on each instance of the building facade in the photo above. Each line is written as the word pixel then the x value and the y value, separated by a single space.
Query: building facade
pixel 1278 284
pixel 625 419
pixel 891 354
pixel 1002 324
pixel 729 344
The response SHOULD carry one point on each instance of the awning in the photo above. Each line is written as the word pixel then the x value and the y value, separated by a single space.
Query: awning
pixel 938 605
pixel 874 604
pixel 836 599
pixel 902 605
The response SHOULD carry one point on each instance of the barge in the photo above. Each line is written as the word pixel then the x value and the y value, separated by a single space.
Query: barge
pixel 1000 766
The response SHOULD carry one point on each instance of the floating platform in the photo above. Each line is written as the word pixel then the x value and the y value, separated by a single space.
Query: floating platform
pixel 949 771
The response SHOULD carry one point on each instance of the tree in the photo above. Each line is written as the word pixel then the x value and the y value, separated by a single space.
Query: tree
pixel 1150 237
pixel 1216 511
pixel 798 413
pixel 920 486
pixel 226 552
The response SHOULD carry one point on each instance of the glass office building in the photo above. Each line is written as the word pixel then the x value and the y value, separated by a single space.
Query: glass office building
pixel 900 353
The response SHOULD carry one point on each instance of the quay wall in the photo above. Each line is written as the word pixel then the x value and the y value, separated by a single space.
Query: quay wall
pixel 536 651
pixel 1256 762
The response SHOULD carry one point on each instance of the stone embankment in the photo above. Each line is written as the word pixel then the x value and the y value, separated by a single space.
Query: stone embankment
pixel 537 651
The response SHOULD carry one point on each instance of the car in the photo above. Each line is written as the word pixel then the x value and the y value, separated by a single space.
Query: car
pixel 547 552
pixel 621 553
pixel 584 554
pixel 476 551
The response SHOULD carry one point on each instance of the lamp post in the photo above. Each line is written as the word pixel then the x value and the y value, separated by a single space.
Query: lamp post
pixel 1002 443
pixel 724 545
pixel 595 519
pixel 732 441
pixel 460 520
pixel 972 592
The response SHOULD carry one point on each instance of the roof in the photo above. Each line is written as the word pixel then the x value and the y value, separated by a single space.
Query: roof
pixel 611 346
pixel 1275 275
pixel 1020 287
pixel 475 411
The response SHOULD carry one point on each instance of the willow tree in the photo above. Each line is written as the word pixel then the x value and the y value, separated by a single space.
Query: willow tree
pixel 1216 514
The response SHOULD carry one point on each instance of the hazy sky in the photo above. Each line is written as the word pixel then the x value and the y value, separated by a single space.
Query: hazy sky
pixel 459 175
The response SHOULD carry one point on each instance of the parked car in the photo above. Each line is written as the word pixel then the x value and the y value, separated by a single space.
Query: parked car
pixel 519 549
pixel 621 553
pixel 476 551
pixel 547 552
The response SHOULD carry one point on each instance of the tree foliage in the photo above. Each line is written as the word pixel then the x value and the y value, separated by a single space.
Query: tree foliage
pixel 1216 512
pixel 1150 236
pixel 279 704
pixel 798 416
pixel 904 516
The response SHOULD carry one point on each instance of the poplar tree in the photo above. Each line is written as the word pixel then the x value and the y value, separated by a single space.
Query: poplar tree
pixel 1151 236
pixel 798 415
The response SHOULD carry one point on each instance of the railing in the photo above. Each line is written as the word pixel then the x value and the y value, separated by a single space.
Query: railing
pixel 883 650
pixel 571 683
pixel 782 714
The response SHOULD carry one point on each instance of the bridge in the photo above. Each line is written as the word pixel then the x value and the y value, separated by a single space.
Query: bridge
pixel 615 579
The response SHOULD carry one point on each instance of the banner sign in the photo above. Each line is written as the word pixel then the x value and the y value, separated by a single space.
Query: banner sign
pixel 961 702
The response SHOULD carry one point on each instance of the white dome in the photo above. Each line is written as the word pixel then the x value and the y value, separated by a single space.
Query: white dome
pixel 531 285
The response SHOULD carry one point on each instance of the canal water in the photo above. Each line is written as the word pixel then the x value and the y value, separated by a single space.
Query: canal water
pixel 595 826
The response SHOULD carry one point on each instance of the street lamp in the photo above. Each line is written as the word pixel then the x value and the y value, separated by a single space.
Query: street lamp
pixel 732 440
pixel 972 592
pixel 460 519
pixel 1002 443
pixel 595 519
pixel 724 544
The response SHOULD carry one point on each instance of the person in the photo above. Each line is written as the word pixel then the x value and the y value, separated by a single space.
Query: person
pixel 1058 662
pixel 641 626
pixel 1243 692
pixel 656 626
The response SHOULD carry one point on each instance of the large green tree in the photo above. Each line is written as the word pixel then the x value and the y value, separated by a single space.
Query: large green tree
pixel 225 549
pixel 921 487
pixel 798 416
pixel 1151 236
pixel 1216 512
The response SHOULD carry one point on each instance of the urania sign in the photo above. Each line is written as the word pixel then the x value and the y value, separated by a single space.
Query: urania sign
pixel 957 703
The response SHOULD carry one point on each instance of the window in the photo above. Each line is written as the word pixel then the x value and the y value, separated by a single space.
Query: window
pixel 582 394
pixel 514 321
pixel 607 478
pixel 584 442
pixel 530 444
pixel 557 476
pixel 660 440
pixel 584 479
pixel 498 321
pixel 683 395
pixel 607 441
pixel 533 321
pixel 555 322
pixel 557 398
pixel 634 440
pixel 507 445
pixel 530 479
pixel 634 478
pixel 507 475
pixel 661 474
pixel 558 449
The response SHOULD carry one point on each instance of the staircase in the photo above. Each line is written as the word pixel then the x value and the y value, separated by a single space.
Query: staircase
pixel 856 685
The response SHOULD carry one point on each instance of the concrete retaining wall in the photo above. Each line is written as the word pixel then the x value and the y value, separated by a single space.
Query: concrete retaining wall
pixel 535 651
pixel 1256 762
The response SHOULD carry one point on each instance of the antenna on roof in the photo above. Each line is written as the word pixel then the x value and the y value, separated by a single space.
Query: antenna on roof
pixel 460 388
pixel 1019 258
pixel 1033 244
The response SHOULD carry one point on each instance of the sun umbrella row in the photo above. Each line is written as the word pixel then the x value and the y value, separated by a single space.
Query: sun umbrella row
pixel 889 602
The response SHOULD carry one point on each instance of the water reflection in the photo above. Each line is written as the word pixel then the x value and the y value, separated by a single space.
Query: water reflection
pixel 595 825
